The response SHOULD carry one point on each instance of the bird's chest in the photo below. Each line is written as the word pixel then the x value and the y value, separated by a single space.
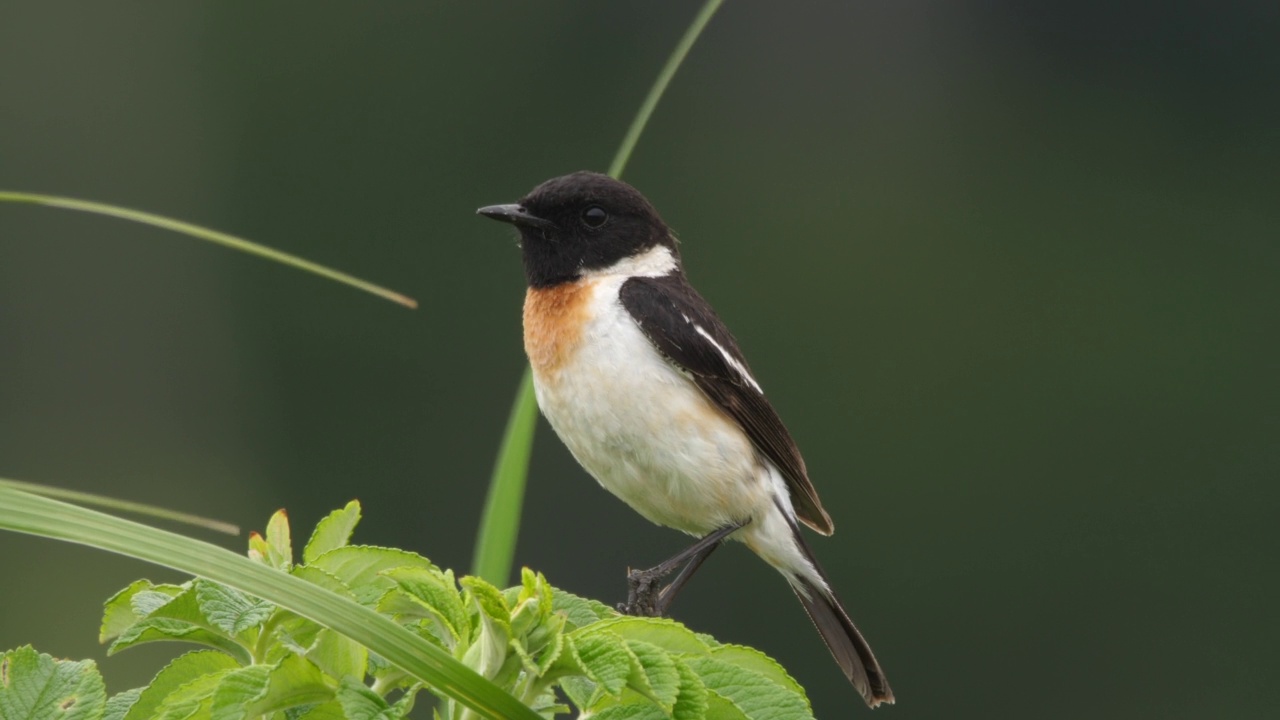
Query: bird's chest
pixel 633 421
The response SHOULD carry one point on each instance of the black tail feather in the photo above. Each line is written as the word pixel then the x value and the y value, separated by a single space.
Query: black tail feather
pixel 846 644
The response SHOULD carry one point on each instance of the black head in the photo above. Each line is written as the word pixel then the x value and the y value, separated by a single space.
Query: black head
pixel 576 223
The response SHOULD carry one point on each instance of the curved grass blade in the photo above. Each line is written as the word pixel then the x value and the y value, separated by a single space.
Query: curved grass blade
pixel 212 236
pixel 660 86
pixel 499 527
pixel 85 498
pixel 26 513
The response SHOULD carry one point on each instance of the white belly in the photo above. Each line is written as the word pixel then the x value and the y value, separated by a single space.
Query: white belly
pixel 645 431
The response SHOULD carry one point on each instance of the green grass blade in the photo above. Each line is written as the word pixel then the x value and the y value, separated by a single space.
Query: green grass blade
pixel 85 498
pixel 660 86
pixel 500 525
pixel 26 513
pixel 212 236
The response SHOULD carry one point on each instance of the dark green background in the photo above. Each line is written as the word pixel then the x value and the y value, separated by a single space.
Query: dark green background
pixel 1011 274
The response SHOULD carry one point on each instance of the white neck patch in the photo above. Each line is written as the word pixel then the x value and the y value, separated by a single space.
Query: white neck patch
pixel 654 262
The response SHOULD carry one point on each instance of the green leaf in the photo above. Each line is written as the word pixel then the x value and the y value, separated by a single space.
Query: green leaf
pixel 360 568
pixel 756 661
pixel 166 629
pixel 602 657
pixel 118 705
pixel 489 600
pixel 663 632
pixel 34 686
pixel 500 523
pixel 653 673
pixel 117 612
pixel 24 512
pixel 333 531
pixel 644 710
pixel 155 597
pixel 178 618
pixel 692 698
pixel 438 592
pixel 578 611
pixel 361 703
pixel 488 652
pixel 279 542
pixel 331 710
pixel 176 674
pixel 260 690
pixel 230 610
pixel 752 693
pixel 193 700
pixel 339 656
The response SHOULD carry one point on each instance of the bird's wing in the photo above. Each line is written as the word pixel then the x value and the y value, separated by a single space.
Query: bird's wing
pixel 685 330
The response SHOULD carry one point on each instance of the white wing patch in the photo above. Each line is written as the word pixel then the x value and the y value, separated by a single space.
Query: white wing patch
pixel 730 359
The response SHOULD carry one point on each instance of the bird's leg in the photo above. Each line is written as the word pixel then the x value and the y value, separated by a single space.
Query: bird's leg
pixel 645 597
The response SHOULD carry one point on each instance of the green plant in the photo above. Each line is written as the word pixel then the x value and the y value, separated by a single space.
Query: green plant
pixel 287 658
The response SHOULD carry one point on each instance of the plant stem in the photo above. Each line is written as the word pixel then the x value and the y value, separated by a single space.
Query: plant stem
pixel 213 236
pixel 660 87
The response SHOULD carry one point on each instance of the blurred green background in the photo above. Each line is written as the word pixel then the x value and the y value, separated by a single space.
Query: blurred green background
pixel 1010 273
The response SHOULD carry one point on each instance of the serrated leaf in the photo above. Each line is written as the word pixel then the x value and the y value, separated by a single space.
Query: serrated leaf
pixel 191 701
pixel 161 629
pixel 489 600
pixel 360 703
pixel 230 610
pixel 260 690
pixel 579 611
pixel 325 579
pixel 663 632
pixel 756 661
pixel 237 690
pixel 601 657
pixel 118 613
pixel 653 673
pixel 720 709
pixel 34 686
pixel 438 592
pixel 155 597
pixel 691 700
pixel 331 710
pixel 488 651
pixel 360 568
pixel 118 705
pixel 259 550
pixel 279 542
pixel 641 710
pixel 333 531
pixel 754 694
pixel 338 655
pixel 176 674
pixel 579 689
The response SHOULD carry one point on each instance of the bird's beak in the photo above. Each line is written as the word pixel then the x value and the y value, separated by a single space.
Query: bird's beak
pixel 516 215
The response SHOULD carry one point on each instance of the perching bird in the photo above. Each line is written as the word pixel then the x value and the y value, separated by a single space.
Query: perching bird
pixel 649 391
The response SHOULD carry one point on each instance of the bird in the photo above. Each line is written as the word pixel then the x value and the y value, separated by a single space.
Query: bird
pixel 649 391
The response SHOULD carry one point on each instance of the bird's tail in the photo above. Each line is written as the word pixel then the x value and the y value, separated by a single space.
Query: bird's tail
pixel 846 644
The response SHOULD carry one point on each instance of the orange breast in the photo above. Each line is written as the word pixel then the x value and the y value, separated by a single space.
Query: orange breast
pixel 553 322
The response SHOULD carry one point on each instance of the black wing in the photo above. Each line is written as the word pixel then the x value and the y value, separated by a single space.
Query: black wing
pixel 684 328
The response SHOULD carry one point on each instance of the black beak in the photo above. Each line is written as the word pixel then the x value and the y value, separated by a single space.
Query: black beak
pixel 516 215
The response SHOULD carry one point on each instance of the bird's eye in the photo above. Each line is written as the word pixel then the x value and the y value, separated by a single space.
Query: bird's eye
pixel 594 216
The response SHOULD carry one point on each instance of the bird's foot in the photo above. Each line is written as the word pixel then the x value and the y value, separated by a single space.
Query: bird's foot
pixel 644 592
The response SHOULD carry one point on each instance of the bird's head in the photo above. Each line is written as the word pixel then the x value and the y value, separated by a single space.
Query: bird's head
pixel 587 223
